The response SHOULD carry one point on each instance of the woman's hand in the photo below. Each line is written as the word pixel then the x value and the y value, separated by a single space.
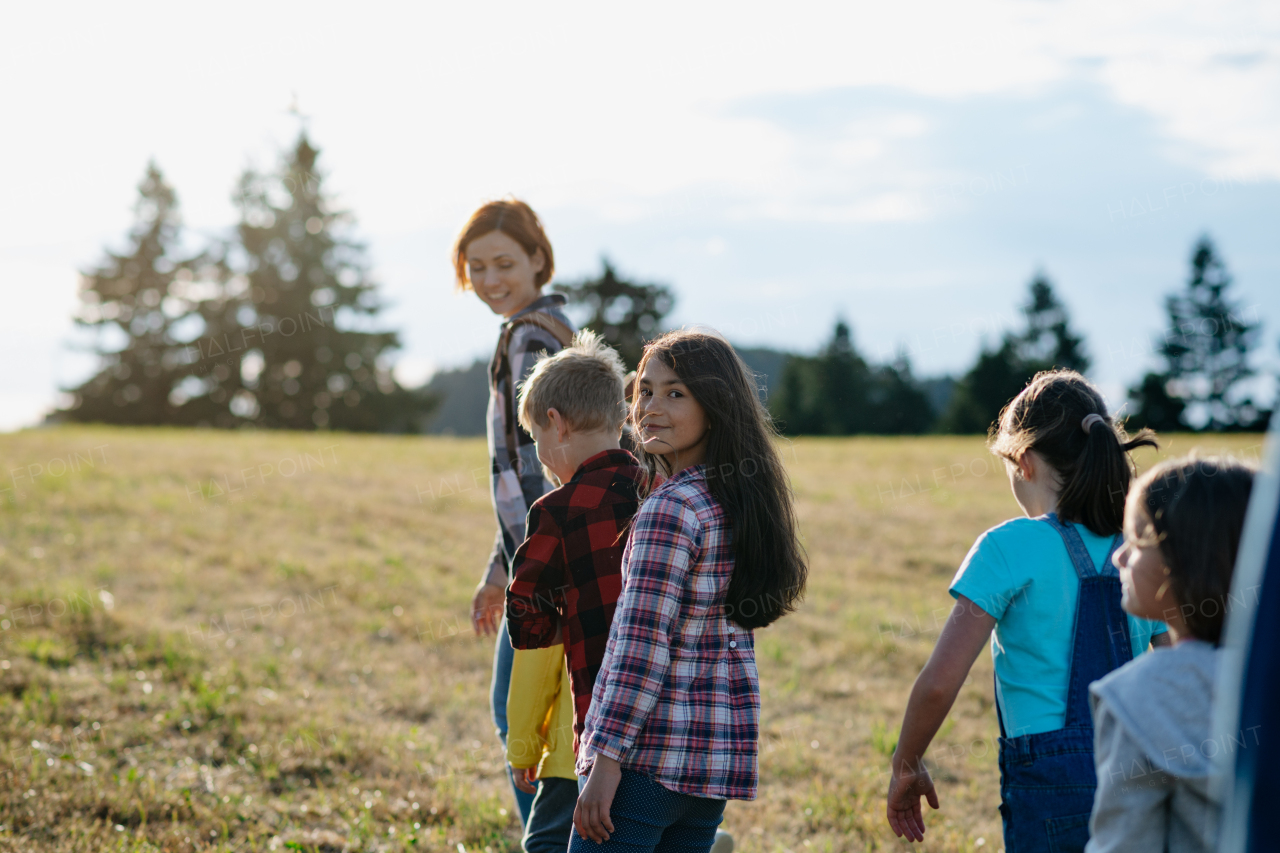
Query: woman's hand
pixel 591 814
pixel 906 787
pixel 487 607
pixel 526 778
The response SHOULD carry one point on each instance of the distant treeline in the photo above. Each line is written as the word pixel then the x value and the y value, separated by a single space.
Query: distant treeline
pixel 274 326
pixel 1205 350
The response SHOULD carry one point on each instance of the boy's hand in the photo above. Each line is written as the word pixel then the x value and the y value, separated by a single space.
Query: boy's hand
pixel 906 787
pixel 591 814
pixel 526 778
pixel 487 607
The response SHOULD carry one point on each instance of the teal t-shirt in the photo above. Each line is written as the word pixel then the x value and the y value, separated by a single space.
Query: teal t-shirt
pixel 1020 573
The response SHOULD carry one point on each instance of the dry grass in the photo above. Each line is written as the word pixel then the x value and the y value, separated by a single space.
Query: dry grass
pixel 259 641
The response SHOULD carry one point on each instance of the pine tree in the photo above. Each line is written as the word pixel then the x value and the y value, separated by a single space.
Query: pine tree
pixel 982 393
pixel 625 313
pixel 306 284
pixel 1047 342
pixel 793 403
pixel 844 380
pixel 136 296
pixel 898 405
pixel 1207 345
pixel 1156 408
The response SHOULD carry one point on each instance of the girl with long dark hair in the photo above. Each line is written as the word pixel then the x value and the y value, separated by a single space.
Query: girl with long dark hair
pixel 713 554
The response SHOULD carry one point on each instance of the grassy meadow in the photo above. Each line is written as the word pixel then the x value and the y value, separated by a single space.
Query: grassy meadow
pixel 259 641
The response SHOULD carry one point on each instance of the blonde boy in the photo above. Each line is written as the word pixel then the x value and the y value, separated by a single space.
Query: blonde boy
pixel 567 574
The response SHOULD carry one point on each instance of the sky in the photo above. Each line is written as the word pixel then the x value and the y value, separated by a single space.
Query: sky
pixel 908 167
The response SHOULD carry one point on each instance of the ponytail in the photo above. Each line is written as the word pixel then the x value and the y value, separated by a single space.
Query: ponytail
pixel 1061 416
pixel 1094 494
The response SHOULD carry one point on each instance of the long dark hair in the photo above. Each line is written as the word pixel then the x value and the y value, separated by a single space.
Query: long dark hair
pixel 744 474
pixel 1048 417
pixel 1193 510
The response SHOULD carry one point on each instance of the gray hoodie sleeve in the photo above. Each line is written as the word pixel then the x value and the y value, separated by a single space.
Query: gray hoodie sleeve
pixel 1131 807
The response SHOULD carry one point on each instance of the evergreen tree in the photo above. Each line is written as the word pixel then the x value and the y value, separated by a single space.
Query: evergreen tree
pixel 983 392
pixel 844 381
pixel 898 405
pixel 825 394
pixel 1155 407
pixel 625 313
pixel 838 393
pixel 794 402
pixel 136 297
pixel 306 286
pixel 1206 353
pixel 260 331
pixel 1046 342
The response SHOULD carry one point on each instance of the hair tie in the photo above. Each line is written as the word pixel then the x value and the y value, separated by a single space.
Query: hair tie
pixel 1091 419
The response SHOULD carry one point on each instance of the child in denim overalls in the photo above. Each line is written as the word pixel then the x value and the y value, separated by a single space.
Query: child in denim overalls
pixel 1046 585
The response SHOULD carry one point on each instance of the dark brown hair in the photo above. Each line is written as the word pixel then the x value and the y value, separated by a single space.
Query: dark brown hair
pixel 1094 465
pixel 1193 510
pixel 744 474
pixel 513 218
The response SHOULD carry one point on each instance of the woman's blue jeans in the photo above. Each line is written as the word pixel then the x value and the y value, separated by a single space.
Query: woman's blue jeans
pixel 648 817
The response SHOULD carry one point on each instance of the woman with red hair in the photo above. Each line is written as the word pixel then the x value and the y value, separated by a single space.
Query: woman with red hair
pixel 504 257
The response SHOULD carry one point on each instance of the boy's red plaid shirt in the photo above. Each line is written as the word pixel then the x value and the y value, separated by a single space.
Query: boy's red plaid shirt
pixel 568 571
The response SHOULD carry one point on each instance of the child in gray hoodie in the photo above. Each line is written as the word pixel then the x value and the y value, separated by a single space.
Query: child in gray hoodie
pixel 1153 747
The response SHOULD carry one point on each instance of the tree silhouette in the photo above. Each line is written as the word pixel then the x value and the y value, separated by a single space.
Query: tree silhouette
pixel 838 393
pixel 898 405
pixel 269 329
pixel 1046 342
pixel 136 301
pixel 1154 406
pixel 306 284
pixel 625 313
pixel 981 394
pixel 1206 351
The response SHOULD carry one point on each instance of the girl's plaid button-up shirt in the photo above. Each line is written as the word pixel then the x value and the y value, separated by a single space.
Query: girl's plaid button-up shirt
pixel 678 695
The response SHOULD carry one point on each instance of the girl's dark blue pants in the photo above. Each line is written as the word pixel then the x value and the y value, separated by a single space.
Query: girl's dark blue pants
pixel 648 817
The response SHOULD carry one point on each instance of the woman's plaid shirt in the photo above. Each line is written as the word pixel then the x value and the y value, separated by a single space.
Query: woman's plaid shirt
pixel 569 571
pixel 513 492
pixel 678 696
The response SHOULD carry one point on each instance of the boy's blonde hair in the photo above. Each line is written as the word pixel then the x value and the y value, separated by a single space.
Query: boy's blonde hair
pixel 583 382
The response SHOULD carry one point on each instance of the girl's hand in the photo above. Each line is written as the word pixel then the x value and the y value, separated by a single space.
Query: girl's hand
pixel 966 632
pixel 591 814
pixel 906 787
pixel 526 778
pixel 487 607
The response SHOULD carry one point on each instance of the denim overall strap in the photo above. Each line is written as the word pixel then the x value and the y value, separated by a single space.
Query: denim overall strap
pixel 1101 637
